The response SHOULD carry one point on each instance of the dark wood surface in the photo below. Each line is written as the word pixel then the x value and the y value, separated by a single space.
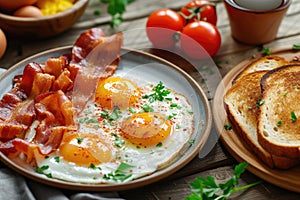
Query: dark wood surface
pixel 218 162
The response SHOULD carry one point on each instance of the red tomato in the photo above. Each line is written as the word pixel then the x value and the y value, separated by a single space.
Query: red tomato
pixel 200 10
pixel 161 27
pixel 200 35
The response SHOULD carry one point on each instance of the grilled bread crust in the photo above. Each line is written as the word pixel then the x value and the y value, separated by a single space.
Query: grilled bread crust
pixel 266 63
pixel 279 118
pixel 242 110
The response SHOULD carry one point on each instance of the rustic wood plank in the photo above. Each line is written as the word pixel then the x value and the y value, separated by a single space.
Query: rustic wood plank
pixel 178 189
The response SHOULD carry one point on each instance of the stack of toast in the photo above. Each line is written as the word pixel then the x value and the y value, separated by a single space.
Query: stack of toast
pixel 263 107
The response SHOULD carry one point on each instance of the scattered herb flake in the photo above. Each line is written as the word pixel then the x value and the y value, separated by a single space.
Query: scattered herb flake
pixel 147 108
pixel 192 141
pixel 279 123
pixel 41 169
pixel 92 166
pixel 259 103
pixel 293 116
pixel 119 174
pixel 56 158
pixel 79 140
pixel 160 144
pixel 296 46
pixel 266 51
pixel 227 127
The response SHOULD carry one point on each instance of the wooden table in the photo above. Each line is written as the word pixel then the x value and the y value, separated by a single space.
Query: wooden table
pixel 218 163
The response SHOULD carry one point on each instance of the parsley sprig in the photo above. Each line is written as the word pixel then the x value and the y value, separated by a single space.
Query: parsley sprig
pixel 159 94
pixel 119 174
pixel 208 189
pixel 116 9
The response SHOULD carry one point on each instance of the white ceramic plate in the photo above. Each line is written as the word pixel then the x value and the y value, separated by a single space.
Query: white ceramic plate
pixel 133 64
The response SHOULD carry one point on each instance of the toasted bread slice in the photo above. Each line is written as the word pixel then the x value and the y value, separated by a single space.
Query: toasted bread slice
pixel 262 64
pixel 241 106
pixel 279 118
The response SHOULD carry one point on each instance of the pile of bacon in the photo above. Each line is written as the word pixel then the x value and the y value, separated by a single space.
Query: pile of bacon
pixel 41 98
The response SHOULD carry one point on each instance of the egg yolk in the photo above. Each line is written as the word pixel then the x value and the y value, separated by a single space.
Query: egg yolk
pixel 116 91
pixel 85 149
pixel 146 129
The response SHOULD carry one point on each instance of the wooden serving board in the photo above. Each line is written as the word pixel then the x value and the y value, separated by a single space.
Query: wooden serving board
pixel 288 179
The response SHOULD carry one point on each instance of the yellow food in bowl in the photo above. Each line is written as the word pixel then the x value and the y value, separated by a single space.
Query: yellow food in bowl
pixel 50 7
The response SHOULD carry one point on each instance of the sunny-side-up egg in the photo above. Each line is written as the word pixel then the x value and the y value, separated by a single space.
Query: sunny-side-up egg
pixel 128 130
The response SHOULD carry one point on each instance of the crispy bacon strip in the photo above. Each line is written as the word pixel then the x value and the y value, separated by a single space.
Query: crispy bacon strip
pixel 97 64
pixel 55 113
pixel 41 94
pixel 86 43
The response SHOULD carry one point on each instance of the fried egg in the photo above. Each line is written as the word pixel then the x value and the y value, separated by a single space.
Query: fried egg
pixel 130 129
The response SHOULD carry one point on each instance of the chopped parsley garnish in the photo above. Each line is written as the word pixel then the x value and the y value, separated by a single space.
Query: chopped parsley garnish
pixel 192 141
pixel 119 174
pixel 266 51
pixel 227 127
pixel 259 103
pixel 118 141
pixel 294 117
pixel 147 108
pixel 190 112
pixel 131 110
pixel 159 144
pixel 92 166
pixel 296 46
pixel 279 123
pixel 174 105
pixel 79 140
pixel 56 158
pixel 159 94
pixel 49 175
pixel 171 116
pixel 41 169
pixel 113 116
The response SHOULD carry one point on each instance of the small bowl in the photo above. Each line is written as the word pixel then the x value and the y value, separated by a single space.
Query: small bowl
pixel 255 22
pixel 43 27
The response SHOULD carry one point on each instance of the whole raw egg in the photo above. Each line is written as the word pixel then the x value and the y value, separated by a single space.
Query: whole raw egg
pixel 8 5
pixel 3 43
pixel 28 11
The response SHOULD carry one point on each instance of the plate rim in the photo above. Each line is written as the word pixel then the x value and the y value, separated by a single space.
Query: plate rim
pixel 220 119
pixel 154 177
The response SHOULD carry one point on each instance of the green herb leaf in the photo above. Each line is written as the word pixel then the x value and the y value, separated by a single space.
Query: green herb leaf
pixel 56 158
pixel 79 140
pixel 259 103
pixel 160 144
pixel 116 8
pixel 118 141
pixel 41 169
pixel 266 51
pixel 227 127
pixel 279 123
pixel 147 108
pixel 159 93
pixel 203 189
pixel 296 46
pixel 119 174
pixel 293 116
pixel 113 116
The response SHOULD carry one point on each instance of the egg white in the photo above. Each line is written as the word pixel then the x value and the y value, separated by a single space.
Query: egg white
pixel 144 160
